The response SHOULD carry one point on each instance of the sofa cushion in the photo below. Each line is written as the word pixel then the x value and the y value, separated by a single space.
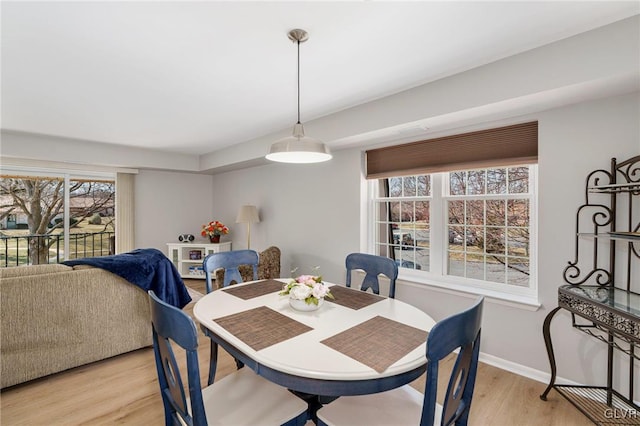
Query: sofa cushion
pixel 23 271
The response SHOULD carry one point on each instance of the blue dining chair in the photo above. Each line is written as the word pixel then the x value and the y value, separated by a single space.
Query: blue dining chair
pixel 407 406
pixel 372 266
pixel 230 261
pixel 241 398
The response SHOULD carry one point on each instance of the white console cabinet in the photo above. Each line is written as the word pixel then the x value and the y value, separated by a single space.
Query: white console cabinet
pixel 188 257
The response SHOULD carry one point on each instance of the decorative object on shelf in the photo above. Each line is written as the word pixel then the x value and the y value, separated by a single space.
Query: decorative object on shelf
pixel 214 230
pixel 186 238
pixel 248 214
pixel 306 293
pixel 197 271
pixel 298 148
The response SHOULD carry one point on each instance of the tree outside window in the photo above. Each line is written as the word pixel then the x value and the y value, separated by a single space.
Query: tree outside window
pixel 37 204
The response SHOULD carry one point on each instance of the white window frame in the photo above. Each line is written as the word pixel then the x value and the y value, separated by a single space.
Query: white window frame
pixel 436 276
pixel 67 176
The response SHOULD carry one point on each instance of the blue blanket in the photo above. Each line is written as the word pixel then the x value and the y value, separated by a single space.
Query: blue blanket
pixel 149 269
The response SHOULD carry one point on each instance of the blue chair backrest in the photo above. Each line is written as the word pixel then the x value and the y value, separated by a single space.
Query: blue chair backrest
pixel 229 261
pixel 170 323
pixel 461 331
pixel 372 266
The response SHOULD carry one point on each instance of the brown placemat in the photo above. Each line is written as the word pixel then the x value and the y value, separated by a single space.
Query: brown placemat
pixel 261 327
pixel 378 342
pixel 257 289
pixel 352 298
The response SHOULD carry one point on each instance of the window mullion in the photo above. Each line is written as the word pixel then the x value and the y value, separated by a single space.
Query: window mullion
pixel 438 225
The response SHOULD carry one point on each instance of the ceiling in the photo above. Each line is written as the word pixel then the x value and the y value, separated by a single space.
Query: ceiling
pixel 195 77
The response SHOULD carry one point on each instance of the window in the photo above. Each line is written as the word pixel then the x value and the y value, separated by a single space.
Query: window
pixel 459 211
pixel 403 221
pixel 49 217
pixel 470 228
pixel 488 225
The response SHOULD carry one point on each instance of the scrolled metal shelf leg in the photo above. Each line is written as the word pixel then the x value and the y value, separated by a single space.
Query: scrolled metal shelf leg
pixel 546 332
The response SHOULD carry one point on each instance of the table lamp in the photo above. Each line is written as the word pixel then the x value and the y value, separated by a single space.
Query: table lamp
pixel 248 214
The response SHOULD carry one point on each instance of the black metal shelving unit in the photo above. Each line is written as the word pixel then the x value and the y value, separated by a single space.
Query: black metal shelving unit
pixel 602 294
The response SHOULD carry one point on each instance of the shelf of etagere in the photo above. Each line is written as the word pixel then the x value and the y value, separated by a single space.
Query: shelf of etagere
pixel 625 236
pixel 602 406
pixel 615 188
pixel 609 308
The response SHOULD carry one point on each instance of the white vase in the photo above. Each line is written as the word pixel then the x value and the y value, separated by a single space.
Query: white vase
pixel 301 305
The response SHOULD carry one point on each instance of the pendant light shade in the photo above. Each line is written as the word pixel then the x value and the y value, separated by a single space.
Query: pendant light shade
pixel 298 148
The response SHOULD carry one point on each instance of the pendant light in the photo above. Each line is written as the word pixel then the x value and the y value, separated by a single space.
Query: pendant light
pixel 298 148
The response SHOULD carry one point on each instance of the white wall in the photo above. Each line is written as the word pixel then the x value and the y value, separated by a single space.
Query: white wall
pixel 168 204
pixel 577 140
pixel 312 213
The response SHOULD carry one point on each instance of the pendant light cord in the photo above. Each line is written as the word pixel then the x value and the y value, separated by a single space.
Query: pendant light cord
pixel 298 42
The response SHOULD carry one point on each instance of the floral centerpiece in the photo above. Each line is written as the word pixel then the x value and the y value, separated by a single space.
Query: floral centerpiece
pixel 213 230
pixel 307 292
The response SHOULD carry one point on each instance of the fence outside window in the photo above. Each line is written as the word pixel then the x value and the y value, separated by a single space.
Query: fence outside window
pixel 18 250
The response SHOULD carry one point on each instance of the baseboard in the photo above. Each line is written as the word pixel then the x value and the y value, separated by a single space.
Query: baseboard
pixel 528 372
pixel 522 370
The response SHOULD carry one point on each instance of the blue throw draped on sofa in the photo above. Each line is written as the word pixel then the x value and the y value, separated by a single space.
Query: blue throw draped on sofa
pixel 149 269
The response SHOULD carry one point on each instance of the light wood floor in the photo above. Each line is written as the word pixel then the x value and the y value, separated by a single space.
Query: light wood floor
pixel 124 390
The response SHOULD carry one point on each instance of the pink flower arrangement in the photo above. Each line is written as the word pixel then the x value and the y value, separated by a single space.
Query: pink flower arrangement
pixel 309 288
pixel 214 228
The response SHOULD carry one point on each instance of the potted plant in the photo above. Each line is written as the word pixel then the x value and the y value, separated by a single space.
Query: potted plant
pixel 306 293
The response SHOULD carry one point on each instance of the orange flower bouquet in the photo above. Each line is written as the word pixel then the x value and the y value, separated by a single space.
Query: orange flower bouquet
pixel 213 230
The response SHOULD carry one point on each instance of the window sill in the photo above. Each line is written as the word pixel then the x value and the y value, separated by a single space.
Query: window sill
pixel 517 301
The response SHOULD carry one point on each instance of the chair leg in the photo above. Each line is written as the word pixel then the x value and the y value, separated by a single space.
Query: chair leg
pixel 213 362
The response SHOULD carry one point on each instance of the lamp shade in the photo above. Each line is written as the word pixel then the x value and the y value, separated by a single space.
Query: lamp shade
pixel 248 214
pixel 299 148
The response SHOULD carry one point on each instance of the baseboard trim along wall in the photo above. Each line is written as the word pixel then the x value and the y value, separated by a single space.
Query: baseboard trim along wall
pixel 522 370
pixel 528 372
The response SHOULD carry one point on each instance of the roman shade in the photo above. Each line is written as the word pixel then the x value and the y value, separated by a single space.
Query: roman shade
pixel 503 146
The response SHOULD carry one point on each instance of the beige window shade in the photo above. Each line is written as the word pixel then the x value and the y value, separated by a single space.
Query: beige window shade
pixel 509 145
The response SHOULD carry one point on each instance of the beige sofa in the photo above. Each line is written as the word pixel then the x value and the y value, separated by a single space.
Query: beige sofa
pixel 55 317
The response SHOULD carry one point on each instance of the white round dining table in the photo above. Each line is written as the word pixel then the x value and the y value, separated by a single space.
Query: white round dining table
pixel 305 362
